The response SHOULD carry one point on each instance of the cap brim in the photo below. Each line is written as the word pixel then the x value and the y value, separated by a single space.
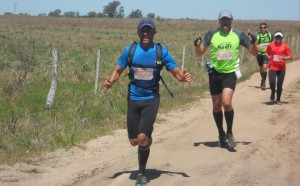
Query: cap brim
pixel 143 25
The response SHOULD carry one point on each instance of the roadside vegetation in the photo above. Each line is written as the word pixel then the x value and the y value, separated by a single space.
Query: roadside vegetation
pixel 28 129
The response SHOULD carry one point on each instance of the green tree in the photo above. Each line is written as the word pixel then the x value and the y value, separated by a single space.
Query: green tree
pixel 55 13
pixel 70 14
pixel 111 9
pixel 102 15
pixel 136 14
pixel 92 14
pixel 121 13
pixel 151 15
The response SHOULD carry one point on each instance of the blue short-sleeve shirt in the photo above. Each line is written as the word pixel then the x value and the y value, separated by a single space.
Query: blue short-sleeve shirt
pixel 143 68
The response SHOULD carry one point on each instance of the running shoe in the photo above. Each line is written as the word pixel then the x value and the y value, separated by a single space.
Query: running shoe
pixel 231 141
pixel 278 102
pixel 141 180
pixel 263 86
pixel 222 141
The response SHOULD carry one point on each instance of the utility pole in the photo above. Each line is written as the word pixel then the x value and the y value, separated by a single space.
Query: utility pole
pixel 15 8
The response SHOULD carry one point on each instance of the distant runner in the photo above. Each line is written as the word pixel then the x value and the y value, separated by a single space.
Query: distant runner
pixel 263 39
pixel 278 52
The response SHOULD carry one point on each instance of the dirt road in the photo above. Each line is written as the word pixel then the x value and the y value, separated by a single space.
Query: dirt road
pixel 185 149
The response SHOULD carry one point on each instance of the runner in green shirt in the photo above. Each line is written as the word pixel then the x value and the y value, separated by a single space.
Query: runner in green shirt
pixel 263 39
pixel 224 42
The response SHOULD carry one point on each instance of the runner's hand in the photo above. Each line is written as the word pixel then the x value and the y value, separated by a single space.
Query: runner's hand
pixel 251 38
pixel 187 76
pixel 198 41
pixel 107 84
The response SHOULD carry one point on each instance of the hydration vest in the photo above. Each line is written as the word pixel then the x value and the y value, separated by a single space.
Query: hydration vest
pixel 158 66
pixel 259 36
pixel 264 40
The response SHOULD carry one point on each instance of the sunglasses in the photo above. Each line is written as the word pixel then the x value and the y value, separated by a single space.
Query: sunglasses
pixel 263 27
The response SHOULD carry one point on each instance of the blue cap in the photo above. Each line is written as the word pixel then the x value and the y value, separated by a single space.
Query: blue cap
pixel 225 13
pixel 146 22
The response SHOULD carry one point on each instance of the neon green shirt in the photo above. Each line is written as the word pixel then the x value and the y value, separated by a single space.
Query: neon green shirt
pixel 263 40
pixel 225 48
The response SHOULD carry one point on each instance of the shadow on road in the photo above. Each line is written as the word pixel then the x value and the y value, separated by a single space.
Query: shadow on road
pixel 275 103
pixel 150 173
pixel 216 144
pixel 258 87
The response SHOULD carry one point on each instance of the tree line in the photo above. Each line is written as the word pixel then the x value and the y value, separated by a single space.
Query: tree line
pixel 113 9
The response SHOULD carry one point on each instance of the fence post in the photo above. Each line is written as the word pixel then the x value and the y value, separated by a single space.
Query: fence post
pixel 52 92
pixel 97 71
pixel 202 63
pixel 293 40
pixel 297 45
pixel 183 56
pixel 242 56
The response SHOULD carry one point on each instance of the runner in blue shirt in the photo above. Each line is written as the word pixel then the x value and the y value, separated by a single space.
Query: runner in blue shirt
pixel 143 93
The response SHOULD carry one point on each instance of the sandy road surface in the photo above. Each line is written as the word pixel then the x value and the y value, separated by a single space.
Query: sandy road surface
pixel 185 149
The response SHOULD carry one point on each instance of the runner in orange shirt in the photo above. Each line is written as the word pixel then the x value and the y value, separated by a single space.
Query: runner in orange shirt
pixel 278 52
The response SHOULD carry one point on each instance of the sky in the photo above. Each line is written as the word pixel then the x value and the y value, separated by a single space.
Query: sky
pixel 174 9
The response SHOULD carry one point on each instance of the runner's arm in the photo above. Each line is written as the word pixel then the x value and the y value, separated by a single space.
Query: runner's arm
pixel 253 49
pixel 181 76
pixel 289 54
pixel 200 50
pixel 108 82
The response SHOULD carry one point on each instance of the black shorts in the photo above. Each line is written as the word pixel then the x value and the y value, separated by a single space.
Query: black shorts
pixel 141 116
pixel 262 59
pixel 219 81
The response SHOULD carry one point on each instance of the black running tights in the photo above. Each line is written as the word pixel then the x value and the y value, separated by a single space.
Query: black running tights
pixel 279 77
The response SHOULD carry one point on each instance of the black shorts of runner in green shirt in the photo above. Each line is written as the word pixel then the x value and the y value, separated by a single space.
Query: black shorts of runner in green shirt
pixel 219 81
pixel 141 116
pixel 262 59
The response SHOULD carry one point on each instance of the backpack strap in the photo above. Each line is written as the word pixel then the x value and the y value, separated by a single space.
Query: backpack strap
pixel 159 51
pixel 159 64
pixel 131 53
pixel 269 37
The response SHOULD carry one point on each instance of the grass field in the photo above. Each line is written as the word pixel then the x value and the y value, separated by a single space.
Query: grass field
pixel 28 129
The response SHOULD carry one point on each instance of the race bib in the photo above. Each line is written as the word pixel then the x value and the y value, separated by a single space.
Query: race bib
pixel 224 55
pixel 277 58
pixel 264 45
pixel 143 73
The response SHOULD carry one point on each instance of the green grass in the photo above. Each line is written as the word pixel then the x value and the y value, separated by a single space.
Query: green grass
pixel 28 129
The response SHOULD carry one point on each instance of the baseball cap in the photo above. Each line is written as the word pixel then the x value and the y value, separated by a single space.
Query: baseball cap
pixel 278 34
pixel 146 22
pixel 225 13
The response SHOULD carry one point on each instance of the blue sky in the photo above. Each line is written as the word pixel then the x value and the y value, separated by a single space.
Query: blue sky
pixel 176 9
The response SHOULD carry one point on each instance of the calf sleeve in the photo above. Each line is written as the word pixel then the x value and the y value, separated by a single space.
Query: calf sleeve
pixel 218 116
pixel 143 154
pixel 229 120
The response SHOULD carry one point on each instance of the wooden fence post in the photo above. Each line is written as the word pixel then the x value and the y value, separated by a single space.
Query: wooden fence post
pixel 242 56
pixel 183 56
pixel 297 45
pixel 293 40
pixel 97 72
pixel 52 92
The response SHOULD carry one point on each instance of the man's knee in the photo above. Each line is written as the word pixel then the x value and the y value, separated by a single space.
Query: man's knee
pixel 227 105
pixel 144 140
pixel 134 142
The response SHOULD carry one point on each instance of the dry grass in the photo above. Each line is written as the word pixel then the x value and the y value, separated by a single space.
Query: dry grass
pixel 28 129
